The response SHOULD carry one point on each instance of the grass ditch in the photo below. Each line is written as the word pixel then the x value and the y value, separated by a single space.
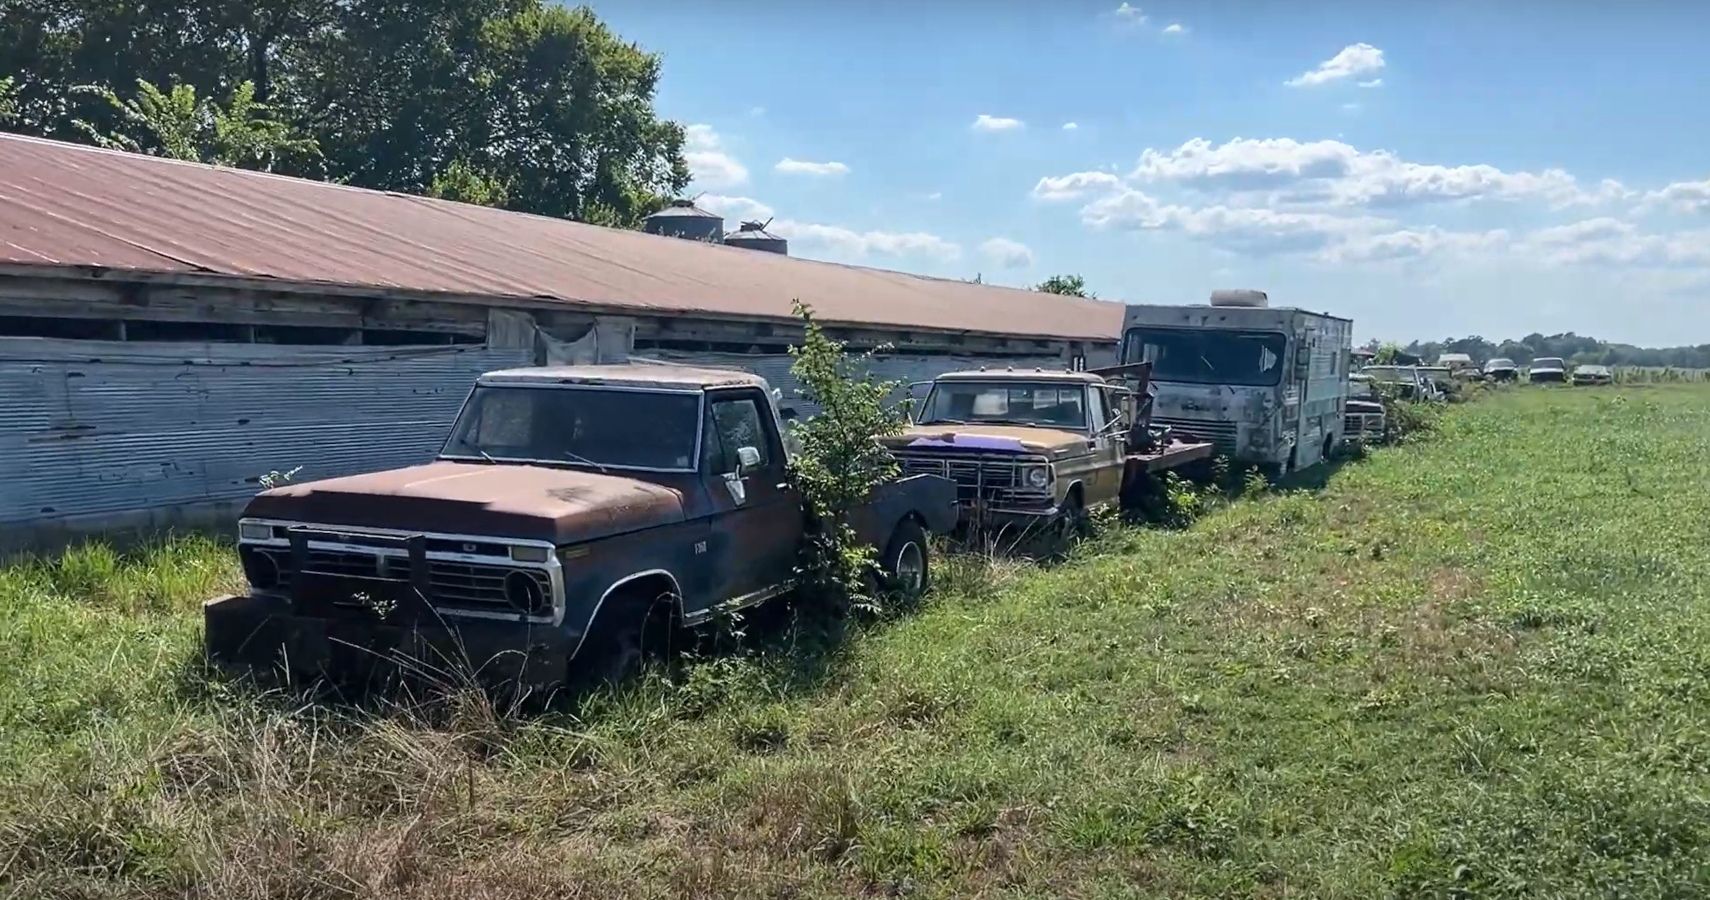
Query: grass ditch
pixel 1469 665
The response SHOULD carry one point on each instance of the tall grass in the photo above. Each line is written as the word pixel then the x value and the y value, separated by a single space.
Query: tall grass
pixel 1474 664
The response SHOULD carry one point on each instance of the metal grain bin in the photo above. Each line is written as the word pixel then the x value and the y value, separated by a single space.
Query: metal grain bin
pixel 754 236
pixel 684 219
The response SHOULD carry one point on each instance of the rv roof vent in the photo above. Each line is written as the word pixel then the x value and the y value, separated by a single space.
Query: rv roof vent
pixel 1247 299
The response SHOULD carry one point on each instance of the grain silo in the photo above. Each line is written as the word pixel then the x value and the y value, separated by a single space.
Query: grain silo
pixel 683 219
pixel 754 236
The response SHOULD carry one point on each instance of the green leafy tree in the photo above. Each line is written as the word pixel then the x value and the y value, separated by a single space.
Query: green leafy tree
pixel 518 103
pixel 8 101
pixel 176 123
pixel 464 183
pixel 839 461
pixel 1071 285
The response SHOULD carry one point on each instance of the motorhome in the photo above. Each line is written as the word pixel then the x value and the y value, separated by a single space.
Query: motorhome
pixel 1267 385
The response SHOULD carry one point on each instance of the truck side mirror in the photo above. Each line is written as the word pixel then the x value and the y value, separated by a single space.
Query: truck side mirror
pixel 789 414
pixel 747 460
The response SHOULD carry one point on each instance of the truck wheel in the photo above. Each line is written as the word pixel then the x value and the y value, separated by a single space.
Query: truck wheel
pixel 632 629
pixel 906 567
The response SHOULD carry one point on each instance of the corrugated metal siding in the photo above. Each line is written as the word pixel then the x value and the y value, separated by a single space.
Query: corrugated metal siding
pixel 775 368
pixel 91 427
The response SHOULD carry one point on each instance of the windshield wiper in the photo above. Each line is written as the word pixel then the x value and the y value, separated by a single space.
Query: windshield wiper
pixel 575 457
pixel 487 456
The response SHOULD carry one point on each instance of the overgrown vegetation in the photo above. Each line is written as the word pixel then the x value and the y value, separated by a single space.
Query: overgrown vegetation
pixel 838 461
pixel 1070 285
pixel 179 125
pixel 524 104
pixel 1470 666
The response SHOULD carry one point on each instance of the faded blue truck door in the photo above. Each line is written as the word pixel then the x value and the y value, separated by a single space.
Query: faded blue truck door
pixel 756 523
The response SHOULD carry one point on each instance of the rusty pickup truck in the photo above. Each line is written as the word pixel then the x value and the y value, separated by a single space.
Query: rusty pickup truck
pixel 574 516
pixel 1036 451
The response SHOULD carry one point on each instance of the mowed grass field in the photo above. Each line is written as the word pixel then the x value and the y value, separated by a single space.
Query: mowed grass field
pixel 1477 665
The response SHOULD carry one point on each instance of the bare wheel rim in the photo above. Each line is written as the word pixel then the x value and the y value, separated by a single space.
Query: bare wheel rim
pixel 911 568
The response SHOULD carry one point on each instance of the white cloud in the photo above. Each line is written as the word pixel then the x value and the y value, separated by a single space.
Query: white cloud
pixel 1075 185
pixel 1684 196
pixel 1130 14
pixel 1350 107
pixel 1071 126
pixel 1606 241
pixel 1007 253
pixel 1339 174
pixel 803 167
pixel 1412 243
pixel 987 122
pixel 1374 83
pixel 1354 59
pixel 757 111
pixel 734 209
pixel 935 195
pixel 709 164
pixel 1258 230
pixel 1175 28
pixel 867 243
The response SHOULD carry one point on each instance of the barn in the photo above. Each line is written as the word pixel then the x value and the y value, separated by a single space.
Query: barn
pixel 172 333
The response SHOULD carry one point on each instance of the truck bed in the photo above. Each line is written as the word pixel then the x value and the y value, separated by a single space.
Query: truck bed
pixel 1175 453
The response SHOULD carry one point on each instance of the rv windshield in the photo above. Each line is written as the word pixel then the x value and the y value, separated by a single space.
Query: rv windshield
pixel 577 427
pixel 1208 356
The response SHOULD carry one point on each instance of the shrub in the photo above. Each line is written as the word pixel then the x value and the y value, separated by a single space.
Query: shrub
pixel 839 460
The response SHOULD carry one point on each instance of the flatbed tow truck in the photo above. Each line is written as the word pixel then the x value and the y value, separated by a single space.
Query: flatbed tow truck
pixel 1037 451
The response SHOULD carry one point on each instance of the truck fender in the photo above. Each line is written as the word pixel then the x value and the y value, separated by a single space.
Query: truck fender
pixel 588 626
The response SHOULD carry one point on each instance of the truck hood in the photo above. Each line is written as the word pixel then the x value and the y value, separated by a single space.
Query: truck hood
pixel 564 506
pixel 989 438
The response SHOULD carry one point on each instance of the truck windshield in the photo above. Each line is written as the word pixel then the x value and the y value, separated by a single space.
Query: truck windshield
pixel 577 427
pixel 1048 404
pixel 1208 356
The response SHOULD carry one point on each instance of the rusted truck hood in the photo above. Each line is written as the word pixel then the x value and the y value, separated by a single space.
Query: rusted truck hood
pixel 991 438
pixel 517 501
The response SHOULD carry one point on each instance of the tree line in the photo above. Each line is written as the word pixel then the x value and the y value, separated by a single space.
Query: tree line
pixel 520 104
pixel 1572 347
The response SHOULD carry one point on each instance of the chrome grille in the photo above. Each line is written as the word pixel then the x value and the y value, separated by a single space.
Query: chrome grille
pixel 1363 426
pixel 451 584
pixel 995 480
pixel 1222 434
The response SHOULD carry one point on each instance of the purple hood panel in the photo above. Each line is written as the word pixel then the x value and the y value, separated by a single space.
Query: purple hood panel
pixel 970 442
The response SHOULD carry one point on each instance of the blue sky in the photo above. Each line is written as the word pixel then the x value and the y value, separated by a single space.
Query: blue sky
pixel 1429 170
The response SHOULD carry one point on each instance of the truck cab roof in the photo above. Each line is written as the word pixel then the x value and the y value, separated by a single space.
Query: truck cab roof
pixel 656 377
pixel 1023 375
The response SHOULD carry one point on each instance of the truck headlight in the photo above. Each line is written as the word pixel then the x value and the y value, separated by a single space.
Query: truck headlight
pixel 1039 476
pixel 254 531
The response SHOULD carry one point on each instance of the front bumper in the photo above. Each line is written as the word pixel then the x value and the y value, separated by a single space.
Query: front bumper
pixel 261 634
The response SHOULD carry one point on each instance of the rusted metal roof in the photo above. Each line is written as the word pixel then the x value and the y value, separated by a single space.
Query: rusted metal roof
pixel 66 205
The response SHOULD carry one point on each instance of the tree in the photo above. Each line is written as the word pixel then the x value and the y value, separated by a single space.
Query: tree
pixel 1071 285
pixel 466 184
pixel 517 103
pixel 8 101
pixel 840 461
pixel 176 124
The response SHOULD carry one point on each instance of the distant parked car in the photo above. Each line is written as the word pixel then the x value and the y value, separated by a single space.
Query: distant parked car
pixel 1457 363
pixel 1408 382
pixel 1593 375
pixel 1502 369
pixel 1364 421
pixel 1548 370
pixel 1441 376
